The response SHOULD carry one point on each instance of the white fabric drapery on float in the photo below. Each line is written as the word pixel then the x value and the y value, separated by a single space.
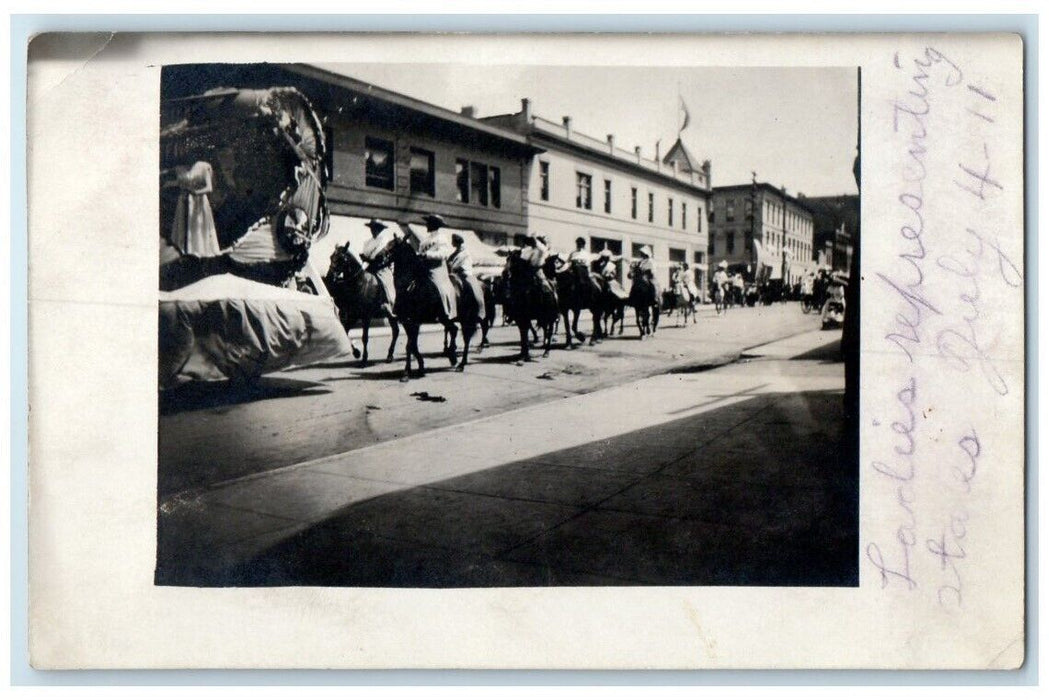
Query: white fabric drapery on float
pixel 227 327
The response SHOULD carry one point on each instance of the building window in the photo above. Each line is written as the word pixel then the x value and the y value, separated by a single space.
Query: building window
pixel 651 207
pixel 699 220
pixel 730 242
pixel 582 191
pixel 608 196
pixel 748 242
pixel 670 211
pixel 378 163
pixel 684 216
pixel 479 183
pixel 462 180
pixel 633 202
pixel 710 247
pixel 421 167
pixel 544 181
pixel 494 187
pixel 730 210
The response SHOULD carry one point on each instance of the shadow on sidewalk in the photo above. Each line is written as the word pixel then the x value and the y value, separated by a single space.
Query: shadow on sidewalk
pixel 196 396
pixel 762 491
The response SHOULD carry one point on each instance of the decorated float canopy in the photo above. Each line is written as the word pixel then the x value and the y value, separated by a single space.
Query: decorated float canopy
pixel 243 174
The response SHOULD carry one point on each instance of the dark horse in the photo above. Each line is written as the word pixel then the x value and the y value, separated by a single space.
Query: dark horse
pixel 644 297
pixel 528 301
pixel 612 307
pixel 418 303
pixel 577 289
pixel 359 296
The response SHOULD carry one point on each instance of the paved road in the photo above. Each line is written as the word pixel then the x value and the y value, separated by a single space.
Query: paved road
pixel 742 475
pixel 211 434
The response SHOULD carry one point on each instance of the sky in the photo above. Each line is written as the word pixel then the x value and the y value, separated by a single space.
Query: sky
pixel 794 127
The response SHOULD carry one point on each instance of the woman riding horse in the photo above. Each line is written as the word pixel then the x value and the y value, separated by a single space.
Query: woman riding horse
pixel 425 294
pixel 645 293
pixel 530 296
pixel 576 290
pixel 360 294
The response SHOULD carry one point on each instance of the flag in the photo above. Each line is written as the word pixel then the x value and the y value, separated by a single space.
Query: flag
pixel 685 120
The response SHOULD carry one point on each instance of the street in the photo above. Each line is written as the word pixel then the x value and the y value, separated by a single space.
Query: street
pixel 713 454
pixel 212 433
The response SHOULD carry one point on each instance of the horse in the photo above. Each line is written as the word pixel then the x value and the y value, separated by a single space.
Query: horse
pixel 418 303
pixel 644 298
pixel 359 297
pixel 680 299
pixel 527 300
pixel 576 290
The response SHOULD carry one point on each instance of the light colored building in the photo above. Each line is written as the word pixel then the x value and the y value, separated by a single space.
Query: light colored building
pixel 758 224
pixel 585 187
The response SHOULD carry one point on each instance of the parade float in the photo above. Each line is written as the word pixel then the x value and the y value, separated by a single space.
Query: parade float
pixel 241 203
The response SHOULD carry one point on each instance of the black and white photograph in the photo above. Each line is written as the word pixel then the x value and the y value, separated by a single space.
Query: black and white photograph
pixel 519 351
pixel 464 326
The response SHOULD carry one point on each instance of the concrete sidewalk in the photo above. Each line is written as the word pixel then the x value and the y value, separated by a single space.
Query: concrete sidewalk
pixel 732 476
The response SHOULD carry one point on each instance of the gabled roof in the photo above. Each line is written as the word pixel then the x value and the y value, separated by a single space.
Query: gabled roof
pixel 685 159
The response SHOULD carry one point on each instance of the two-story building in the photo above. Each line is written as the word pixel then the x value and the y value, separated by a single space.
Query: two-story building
pixel 760 225
pixel 394 158
pixel 617 199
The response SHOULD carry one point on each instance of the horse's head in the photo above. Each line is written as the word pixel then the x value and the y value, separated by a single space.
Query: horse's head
pixel 343 262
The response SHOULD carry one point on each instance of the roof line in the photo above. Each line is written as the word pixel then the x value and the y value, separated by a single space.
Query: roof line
pixel 345 81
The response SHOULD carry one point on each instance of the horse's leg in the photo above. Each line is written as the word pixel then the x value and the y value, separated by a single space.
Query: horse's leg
pixel 451 332
pixel 548 337
pixel 415 348
pixel 468 333
pixel 575 325
pixel 595 326
pixel 395 330
pixel 568 331
pixel 655 318
pixel 365 326
pixel 522 328
pixel 485 323
pixel 408 347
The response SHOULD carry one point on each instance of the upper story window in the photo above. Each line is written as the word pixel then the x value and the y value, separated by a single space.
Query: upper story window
pixel 608 196
pixel 699 220
pixel 544 181
pixel 462 180
pixel 583 185
pixel 651 207
pixel 670 211
pixel 421 167
pixel 633 202
pixel 684 215
pixel 378 163
pixel 730 242
pixel 495 186
pixel 479 183
pixel 730 210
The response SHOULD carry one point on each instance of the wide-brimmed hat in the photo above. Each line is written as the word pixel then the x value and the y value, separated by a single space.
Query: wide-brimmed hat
pixel 723 265
pixel 434 221
pixel 606 253
pixel 840 278
pixel 376 226
pixel 541 237
pixel 645 251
